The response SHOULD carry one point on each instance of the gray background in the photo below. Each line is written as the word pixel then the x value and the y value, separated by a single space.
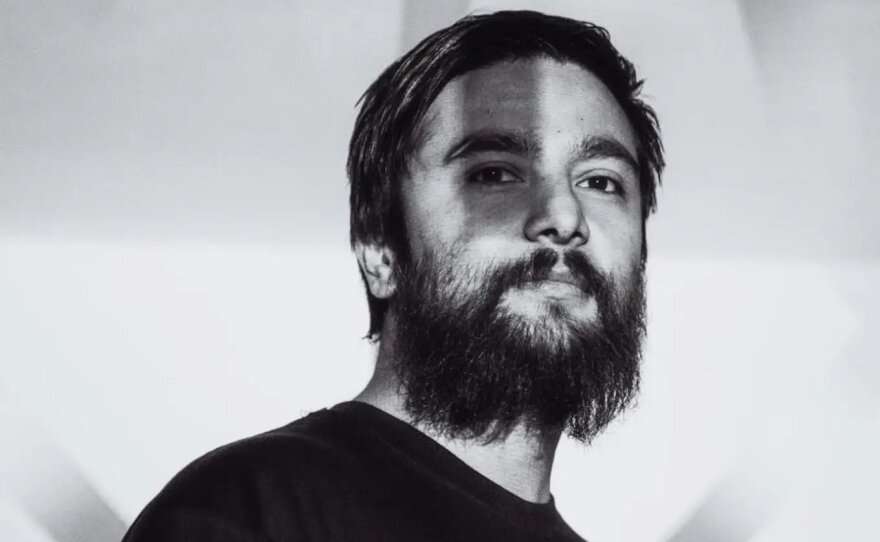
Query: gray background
pixel 174 268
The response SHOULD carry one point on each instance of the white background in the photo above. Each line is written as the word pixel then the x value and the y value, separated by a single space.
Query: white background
pixel 175 273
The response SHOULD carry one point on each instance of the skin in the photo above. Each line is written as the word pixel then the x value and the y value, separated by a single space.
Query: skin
pixel 488 201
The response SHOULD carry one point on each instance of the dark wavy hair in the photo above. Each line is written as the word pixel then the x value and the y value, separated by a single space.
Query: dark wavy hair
pixel 387 131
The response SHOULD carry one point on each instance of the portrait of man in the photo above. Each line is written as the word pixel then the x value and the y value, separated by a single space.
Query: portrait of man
pixel 446 270
pixel 501 173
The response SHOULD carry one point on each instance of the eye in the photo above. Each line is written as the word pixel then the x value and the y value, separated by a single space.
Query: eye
pixel 602 183
pixel 492 175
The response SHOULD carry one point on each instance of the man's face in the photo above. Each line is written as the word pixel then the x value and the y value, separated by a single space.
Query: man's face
pixel 525 155
pixel 522 295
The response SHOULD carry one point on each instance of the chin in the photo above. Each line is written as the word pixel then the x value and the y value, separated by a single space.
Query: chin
pixel 551 326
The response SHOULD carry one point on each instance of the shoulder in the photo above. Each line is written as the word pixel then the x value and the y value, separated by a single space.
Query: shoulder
pixel 241 486
pixel 265 462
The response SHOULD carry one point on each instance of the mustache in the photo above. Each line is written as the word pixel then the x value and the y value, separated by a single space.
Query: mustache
pixel 539 266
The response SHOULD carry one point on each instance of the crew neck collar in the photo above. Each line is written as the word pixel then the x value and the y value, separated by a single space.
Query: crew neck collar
pixel 416 444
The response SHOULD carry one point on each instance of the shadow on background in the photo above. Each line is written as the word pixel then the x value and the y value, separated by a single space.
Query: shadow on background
pixel 39 476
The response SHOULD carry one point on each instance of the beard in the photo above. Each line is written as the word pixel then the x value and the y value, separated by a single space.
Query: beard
pixel 468 367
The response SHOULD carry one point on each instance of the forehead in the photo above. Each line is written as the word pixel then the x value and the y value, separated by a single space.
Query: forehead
pixel 557 100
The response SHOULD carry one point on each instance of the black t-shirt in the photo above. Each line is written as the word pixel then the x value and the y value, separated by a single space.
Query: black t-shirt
pixel 349 473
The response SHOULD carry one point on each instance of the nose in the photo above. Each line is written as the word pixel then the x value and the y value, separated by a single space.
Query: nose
pixel 556 217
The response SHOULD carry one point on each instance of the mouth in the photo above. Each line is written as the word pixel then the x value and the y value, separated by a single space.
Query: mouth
pixel 562 276
pixel 559 288
pixel 558 284
pixel 555 289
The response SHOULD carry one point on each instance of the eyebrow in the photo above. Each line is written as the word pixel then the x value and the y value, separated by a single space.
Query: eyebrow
pixel 520 143
pixel 593 147
pixel 527 145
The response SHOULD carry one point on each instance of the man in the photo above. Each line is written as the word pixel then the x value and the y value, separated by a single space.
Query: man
pixel 501 175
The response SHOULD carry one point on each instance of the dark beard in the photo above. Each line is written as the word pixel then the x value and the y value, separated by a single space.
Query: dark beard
pixel 470 369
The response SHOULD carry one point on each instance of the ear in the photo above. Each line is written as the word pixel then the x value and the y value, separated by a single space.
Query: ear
pixel 377 263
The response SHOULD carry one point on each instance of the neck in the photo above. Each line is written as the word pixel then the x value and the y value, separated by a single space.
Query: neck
pixel 521 462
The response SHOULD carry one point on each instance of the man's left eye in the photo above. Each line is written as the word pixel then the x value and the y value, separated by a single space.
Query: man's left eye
pixel 602 183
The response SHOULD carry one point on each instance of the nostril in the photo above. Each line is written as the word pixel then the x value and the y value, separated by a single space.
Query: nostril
pixel 556 217
pixel 552 233
pixel 558 236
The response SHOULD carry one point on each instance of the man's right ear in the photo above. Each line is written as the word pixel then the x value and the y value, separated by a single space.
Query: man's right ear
pixel 377 264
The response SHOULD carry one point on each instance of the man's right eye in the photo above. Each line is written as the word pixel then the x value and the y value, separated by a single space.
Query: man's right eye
pixel 492 175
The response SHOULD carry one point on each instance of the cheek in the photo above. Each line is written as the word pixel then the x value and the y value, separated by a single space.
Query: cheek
pixel 616 244
pixel 630 258
pixel 448 219
pixel 490 226
pixel 493 217
pixel 429 216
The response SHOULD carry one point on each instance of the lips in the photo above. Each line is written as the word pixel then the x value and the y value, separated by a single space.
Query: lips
pixel 558 283
pixel 564 276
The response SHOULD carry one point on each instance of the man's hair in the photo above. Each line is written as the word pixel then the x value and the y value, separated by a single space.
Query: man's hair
pixel 388 130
